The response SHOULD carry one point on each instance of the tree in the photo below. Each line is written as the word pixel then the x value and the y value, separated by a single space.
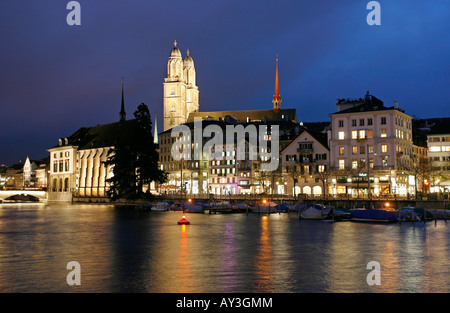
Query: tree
pixel 293 171
pixel 123 181
pixel 323 177
pixel 134 158
pixel 146 155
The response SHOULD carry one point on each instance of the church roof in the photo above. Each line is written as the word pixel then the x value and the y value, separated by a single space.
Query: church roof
pixel 252 115
pixel 105 135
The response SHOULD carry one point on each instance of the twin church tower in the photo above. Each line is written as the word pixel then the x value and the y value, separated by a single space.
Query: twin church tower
pixel 180 89
pixel 181 94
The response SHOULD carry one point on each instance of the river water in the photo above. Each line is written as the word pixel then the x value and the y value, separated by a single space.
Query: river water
pixel 126 250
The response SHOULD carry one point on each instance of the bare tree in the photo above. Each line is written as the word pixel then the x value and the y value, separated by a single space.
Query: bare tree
pixel 323 177
pixel 293 171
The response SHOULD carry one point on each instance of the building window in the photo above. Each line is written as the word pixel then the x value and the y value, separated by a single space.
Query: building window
pixel 66 165
pixel 369 133
pixel 354 164
pixel 361 122
pixel 341 150
pixel 371 163
pixel 341 164
pixel 341 123
pixel 384 148
pixel 370 148
pixel 354 134
pixel 355 150
pixel 383 121
pixel 341 135
pixel 384 161
pixel 362 163
pixel 362 134
pixel 369 121
pixel 55 167
pixel 435 148
pixel 383 132
pixel 353 122
pixel 362 150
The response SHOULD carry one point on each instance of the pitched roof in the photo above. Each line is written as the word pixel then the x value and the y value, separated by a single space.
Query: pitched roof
pixel 105 135
pixel 252 115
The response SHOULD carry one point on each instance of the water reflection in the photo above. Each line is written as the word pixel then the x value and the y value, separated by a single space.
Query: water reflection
pixel 263 260
pixel 183 268
pixel 229 263
pixel 128 251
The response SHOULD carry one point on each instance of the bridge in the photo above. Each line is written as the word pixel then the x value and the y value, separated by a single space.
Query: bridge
pixel 23 194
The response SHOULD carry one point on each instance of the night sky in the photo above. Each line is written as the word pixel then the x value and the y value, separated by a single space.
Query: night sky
pixel 56 78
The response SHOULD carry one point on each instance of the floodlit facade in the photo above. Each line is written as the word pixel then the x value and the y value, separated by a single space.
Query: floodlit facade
pixel 181 94
pixel 366 141
pixel 305 165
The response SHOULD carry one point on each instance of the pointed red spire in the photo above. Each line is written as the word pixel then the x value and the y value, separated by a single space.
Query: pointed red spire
pixel 276 97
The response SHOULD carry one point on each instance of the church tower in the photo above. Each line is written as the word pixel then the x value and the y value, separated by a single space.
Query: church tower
pixel 122 114
pixel 180 89
pixel 276 97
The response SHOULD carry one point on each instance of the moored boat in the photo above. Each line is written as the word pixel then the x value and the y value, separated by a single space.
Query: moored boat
pixel 160 207
pixel 423 214
pixel 193 208
pixel 407 214
pixel 373 215
pixel 314 213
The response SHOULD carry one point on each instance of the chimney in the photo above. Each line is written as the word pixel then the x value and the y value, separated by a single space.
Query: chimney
pixel 395 104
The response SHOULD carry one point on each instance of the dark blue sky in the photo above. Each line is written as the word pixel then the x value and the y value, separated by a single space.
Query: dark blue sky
pixel 57 78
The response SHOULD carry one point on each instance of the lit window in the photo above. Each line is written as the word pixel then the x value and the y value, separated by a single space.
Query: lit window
pixel 341 135
pixel 383 132
pixel 354 163
pixel 435 149
pixel 370 148
pixel 341 164
pixel 362 134
pixel 384 148
pixel 354 134
pixel 341 151
pixel 355 150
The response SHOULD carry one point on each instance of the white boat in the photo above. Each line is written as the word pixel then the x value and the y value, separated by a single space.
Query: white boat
pixel 160 206
pixel 220 205
pixel 313 213
pixel 241 205
pixel 193 208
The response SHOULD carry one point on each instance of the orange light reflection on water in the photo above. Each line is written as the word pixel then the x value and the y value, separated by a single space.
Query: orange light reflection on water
pixel 183 273
pixel 264 257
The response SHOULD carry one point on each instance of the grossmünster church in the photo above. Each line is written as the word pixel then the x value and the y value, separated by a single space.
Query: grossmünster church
pixel 77 168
